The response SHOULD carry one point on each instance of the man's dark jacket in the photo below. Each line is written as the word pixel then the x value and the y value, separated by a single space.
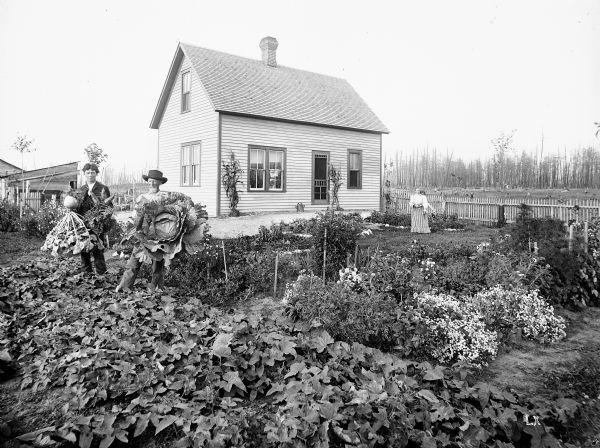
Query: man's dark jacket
pixel 100 191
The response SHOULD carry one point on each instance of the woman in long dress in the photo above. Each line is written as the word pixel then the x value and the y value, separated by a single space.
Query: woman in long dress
pixel 419 207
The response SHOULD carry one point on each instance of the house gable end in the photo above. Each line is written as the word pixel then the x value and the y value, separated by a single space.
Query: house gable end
pixel 167 90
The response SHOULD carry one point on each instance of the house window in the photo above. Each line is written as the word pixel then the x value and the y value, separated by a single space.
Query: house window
pixel 266 169
pixel 190 164
pixel 354 168
pixel 186 88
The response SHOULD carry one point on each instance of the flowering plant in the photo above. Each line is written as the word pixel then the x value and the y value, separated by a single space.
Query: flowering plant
pixel 351 278
pixel 455 331
pixel 510 309
pixel 428 269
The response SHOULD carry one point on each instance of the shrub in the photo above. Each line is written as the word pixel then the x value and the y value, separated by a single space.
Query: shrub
pixel 527 229
pixel 454 331
pixel 516 270
pixel 390 217
pixel 510 309
pixel 573 280
pixel 250 268
pixel 40 223
pixel 9 217
pixel 366 317
pixel 441 221
pixel 460 277
pixel 390 274
pixel 342 234
pixel 487 268
pixel 48 216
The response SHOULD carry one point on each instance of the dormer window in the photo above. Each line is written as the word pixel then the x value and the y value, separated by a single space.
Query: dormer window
pixel 186 89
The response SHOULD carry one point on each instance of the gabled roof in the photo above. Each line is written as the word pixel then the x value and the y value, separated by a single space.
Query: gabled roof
pixel 8 168
pixel 243 86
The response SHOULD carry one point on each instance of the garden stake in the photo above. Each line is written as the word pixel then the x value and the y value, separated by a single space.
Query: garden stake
pixel 324 254
pixel 275 282
pixel 585 237
pixel 356 256
pixel 224 259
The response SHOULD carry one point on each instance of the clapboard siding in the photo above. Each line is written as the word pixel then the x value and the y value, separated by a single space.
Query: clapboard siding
pixel 200 124
pixel 300 141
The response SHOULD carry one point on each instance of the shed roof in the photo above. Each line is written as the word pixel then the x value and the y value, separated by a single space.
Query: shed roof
pixel 6 169
pixel 243 86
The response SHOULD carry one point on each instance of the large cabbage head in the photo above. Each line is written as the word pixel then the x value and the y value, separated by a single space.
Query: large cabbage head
pixel 167 225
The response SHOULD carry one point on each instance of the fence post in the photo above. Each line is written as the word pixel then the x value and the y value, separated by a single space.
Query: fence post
pixel 501 218
pixel 585 237
pixel 571 238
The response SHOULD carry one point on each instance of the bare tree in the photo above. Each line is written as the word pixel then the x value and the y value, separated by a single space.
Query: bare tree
pixel 23 145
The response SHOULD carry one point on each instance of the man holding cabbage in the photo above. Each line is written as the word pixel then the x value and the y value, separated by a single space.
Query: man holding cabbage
pixel 164 223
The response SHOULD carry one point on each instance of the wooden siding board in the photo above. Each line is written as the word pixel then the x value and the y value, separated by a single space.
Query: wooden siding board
pixel 176 128
pixel 300 141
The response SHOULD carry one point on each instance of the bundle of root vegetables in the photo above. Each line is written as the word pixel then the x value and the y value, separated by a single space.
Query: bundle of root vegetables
pixel 69 235
pixel 75 233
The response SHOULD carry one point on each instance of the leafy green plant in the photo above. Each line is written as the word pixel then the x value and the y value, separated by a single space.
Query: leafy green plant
pixel 390 274
pixel 42 222
pixel 335 177
pixel 230 178
pixel 9 217
pixel 342 231
pixel 149 369
pixel 389 217
pixel 346 314
pixel 443 221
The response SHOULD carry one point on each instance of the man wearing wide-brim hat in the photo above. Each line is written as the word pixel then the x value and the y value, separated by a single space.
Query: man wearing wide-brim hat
pixel 155 179
pixel 155 175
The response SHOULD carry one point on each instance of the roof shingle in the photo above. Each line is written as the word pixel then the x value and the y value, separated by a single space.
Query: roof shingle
pixel 249 87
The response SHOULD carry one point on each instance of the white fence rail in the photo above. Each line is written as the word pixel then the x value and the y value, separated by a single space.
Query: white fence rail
pixel 488 210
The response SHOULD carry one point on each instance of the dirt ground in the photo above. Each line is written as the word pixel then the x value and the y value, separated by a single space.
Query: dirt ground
pixel 526 367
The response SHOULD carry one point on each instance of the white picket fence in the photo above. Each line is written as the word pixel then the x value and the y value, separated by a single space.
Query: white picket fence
pixel 487 210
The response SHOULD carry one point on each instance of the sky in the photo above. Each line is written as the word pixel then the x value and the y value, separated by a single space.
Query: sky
pixel 449 75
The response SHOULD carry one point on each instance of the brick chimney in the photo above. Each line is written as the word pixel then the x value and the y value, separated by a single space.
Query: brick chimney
pixel 268 45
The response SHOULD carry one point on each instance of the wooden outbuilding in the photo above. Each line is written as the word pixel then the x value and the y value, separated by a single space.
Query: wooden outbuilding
pixel 40 184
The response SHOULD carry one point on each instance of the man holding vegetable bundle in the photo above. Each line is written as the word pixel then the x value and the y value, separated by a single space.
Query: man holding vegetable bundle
pixel 93 194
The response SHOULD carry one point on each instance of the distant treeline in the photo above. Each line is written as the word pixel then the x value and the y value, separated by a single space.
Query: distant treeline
pixel 429 168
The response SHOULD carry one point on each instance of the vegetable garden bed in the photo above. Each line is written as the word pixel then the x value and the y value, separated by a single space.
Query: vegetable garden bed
pixel 97 367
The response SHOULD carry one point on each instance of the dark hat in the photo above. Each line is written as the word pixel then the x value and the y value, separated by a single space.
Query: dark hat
pixel 154 174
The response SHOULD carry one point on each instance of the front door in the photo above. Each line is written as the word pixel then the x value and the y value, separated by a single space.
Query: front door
pixel 320 185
